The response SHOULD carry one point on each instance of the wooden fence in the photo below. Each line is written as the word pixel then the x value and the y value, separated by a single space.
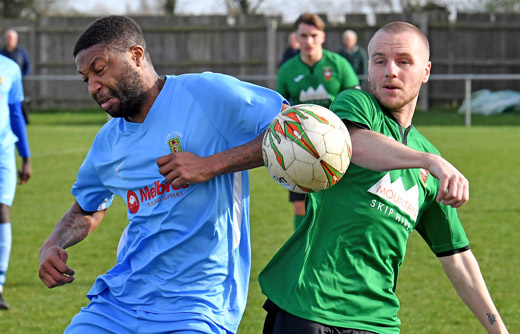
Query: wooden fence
pixel 250 47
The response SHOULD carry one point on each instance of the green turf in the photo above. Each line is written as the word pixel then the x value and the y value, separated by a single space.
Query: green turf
pixel 486 153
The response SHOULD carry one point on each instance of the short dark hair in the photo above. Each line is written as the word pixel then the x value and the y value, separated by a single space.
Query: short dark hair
pixel 311 19
pixel 118 33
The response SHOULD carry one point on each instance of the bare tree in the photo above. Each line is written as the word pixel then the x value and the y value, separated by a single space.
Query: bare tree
pixel 243 6
pixel 169 7
pixel 30 8
pixel 502 6
pixel 14 8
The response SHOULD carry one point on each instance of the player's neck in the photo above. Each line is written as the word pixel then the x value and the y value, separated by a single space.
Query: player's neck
pixel 312 59
pixel 152 94
pixel 404 115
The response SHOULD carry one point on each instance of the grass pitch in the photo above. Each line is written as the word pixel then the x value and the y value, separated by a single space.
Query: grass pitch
pixel 487 153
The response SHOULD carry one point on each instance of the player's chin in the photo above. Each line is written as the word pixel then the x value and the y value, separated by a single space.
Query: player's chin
pixel 114 112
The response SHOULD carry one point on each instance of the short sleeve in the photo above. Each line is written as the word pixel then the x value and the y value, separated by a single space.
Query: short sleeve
pixel 441 229
pixel 16 92
pixel 357 106
pixel 88 189
pixel 241 110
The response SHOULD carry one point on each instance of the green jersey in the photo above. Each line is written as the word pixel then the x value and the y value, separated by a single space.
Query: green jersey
pixel 319 84
pixel 340 267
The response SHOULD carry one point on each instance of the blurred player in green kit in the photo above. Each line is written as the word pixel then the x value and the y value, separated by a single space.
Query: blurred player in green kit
pixel 316 76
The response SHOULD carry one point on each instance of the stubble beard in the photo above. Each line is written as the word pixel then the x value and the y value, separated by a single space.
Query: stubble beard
pixel 130 92
pixel 398 103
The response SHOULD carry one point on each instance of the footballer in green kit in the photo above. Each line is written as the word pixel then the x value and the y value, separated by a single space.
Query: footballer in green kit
pixel 315 76
pixel 319 84
pixel 338 272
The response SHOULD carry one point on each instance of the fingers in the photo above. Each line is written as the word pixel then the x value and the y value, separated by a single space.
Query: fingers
pixel 23 177
pixel 180 168
pixel 171 171
pixel 454 191
pixel 161 161
pixel 54 271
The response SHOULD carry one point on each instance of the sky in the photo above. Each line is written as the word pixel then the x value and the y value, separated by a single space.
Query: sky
pixel 124 6
pixel 289 9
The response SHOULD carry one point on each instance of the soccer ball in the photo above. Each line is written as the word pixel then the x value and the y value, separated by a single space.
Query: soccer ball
pixel 306 148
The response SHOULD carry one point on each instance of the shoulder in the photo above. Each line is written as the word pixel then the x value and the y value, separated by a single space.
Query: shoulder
pixel 7 63
pixel 350 100
pixel 290 64
pixel 358 106
pixel 210 88
pixel 355 96
pixel 340 62
pixel 204 80
pixel 333 56
pixel 10 68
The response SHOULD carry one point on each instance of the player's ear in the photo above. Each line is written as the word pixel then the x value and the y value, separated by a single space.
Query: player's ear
pixel 138 54
pixel 427 71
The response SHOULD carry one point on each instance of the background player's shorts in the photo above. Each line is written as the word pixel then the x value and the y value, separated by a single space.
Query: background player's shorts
pixel 104 314
pixel 7 175
pixel 293 197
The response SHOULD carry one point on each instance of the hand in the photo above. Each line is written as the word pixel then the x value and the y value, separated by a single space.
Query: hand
pixel 24 174
pixel 454 187
pixel 53 269
pixel 182 168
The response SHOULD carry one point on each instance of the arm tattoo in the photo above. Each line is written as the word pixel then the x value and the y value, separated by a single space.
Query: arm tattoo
pixel 72 228
pixel 245 156
pixel 492 318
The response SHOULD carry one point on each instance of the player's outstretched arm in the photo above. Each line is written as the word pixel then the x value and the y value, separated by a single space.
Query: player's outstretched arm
pixel 72 228
pixel 181 168
pixel 375 151
pixel 463 271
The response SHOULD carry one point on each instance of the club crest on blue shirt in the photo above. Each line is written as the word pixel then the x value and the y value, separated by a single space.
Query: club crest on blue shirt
pixel 175 145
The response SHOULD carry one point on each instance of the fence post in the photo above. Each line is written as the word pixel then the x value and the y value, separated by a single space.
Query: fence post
pixel 467 82
pixel 423 24
pixel 272 27
pixel 242 38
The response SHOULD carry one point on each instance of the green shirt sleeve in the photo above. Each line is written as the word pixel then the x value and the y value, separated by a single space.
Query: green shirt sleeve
pixel 357 106
pixel 441 229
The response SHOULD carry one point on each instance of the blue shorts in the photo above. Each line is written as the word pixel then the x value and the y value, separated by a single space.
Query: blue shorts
pixel 104 314
pixel 7 175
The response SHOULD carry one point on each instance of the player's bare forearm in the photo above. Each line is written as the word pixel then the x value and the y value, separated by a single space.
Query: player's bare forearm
pixel 75 226
pixel 183 168
pixel 24 174
pixel 375 151
pixel 239 158
pixel 463 271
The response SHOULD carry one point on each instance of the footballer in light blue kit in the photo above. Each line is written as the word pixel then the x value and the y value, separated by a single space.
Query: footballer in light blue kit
pixel 183 261
pixel 12 133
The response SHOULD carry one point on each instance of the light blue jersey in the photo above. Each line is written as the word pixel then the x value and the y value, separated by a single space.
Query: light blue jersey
pixel 11 91
pixel 185 249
